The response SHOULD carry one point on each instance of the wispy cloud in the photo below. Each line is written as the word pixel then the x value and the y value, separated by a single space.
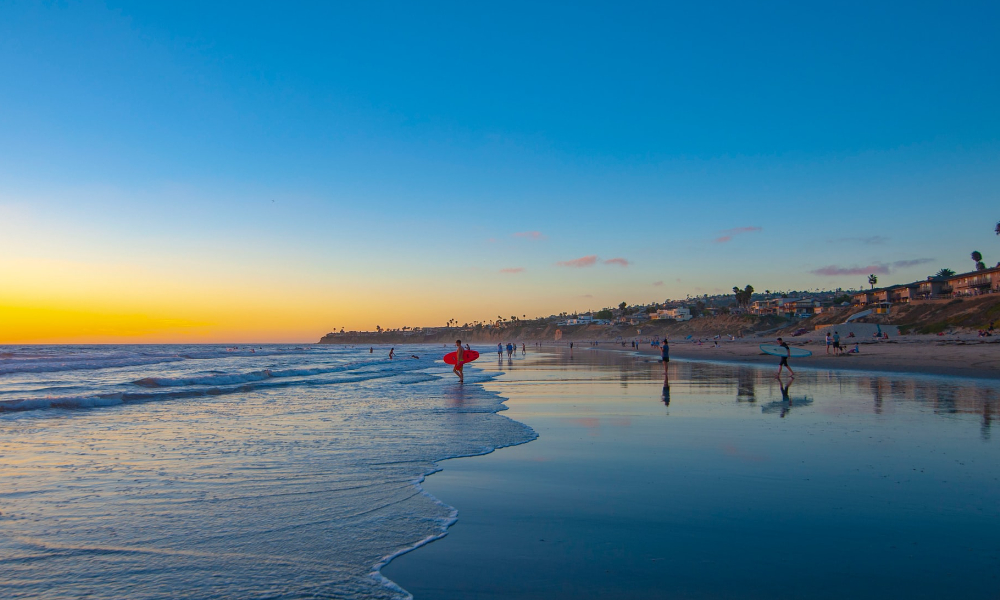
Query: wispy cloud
pixel 583 261
pixel 729 234
pixel 876 268
pixel 529 235
pixel 621 262
pixel 657 283
pixel 871 240
pixel 902 264
pixel 835 271
pixel 512 270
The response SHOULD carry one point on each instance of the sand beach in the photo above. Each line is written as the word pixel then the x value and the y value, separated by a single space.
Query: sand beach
pixel 720 483
pixel 960 357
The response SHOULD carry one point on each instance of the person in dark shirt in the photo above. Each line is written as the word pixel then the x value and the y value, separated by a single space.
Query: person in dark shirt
pixel 783 364
pixel 665 355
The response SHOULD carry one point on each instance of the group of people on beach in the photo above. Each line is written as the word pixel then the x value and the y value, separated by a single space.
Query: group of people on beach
pixel 511 349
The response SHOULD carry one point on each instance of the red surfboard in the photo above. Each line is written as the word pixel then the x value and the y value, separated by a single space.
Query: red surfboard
pixel 467 357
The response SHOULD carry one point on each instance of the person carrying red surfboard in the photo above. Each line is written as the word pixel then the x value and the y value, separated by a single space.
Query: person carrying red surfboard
pixel 459 361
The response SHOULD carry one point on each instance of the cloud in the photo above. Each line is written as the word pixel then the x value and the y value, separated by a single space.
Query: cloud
pixel 657 283
pixel 902 264
pixel 835 271
pixel 512 270
pixel 876 268
pixel 529 235
pixel 583 261
pixel 617 261
pixel 587 296
pixel 871 240
pixel 729 234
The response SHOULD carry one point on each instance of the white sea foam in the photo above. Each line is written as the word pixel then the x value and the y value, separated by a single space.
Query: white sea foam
pixel 212 473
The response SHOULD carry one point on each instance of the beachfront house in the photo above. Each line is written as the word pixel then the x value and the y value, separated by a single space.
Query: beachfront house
pixel 681 313
pixel 974 283
pixel 863 297
pixel 904 293
pixel 934 287
pixel 800 308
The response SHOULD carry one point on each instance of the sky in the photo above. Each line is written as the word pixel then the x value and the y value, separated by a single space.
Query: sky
pixel 269 172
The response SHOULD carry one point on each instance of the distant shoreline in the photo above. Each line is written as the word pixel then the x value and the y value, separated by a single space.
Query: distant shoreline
pixel 965 358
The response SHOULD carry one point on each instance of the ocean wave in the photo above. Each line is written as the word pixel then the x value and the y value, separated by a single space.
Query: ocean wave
pixel 253 376
pixel 48 365
pixel 265 382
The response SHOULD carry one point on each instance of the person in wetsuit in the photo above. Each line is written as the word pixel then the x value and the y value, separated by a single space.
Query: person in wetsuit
pixel 783 363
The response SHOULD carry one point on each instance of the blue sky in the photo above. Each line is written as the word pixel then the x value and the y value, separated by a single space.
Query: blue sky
pixel 373 149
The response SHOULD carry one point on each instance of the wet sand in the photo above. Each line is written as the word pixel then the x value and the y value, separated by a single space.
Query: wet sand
pixel 721 485
pixel 915 354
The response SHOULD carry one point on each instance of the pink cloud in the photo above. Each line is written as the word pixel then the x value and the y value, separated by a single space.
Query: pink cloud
pixel 729 234
pixel 583 261
pixel 512 270
pixel 530 235
pixel 617 261
pixel 835 271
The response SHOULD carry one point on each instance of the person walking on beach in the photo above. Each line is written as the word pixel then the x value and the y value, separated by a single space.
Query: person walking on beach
pixel 500 350
pixel 523 349
pixel 459 360
pixel 836 343
pixel 783 364
pixel 510 350
pixel 829 342
pixel 665 356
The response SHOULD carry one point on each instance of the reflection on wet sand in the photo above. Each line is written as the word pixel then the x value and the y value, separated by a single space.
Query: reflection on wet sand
pixel 750 384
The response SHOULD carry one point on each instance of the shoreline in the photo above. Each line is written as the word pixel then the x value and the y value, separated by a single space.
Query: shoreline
pixel 952 359
pixel 636 488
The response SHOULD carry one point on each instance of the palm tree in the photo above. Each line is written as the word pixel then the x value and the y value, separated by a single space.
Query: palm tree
pixel 872 280
pixel 944 273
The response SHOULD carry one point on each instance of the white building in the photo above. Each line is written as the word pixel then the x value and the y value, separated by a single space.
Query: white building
pixel 681 313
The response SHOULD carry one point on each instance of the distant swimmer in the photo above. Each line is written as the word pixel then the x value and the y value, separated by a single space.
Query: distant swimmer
pixel 392 353
pixel 783 364
pixel 415 356
pixel 467 347
pixel 371 350
pixel 459 360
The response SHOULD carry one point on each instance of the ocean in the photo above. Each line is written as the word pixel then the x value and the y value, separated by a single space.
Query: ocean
pixel 212 472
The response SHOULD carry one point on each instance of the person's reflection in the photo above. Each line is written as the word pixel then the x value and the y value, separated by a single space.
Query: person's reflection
pixel 785 398
pixel 665 395
pixel 745 385
pixel 984 429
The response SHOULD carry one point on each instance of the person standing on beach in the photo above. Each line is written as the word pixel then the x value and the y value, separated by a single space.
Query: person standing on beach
pixel 784 359
pixel 665 356
pixel 523 349
pixel 836 343
pixel 459 360
pixel 829 342
pixel 500 350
